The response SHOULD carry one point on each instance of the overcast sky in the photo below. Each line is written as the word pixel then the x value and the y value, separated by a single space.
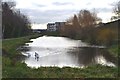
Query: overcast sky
pixel 44 11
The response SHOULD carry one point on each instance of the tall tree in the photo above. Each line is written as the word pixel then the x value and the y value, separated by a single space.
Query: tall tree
pixel 14 24
pixel 87 18
pixel 72 27
pixel 81 26
pixel 75 22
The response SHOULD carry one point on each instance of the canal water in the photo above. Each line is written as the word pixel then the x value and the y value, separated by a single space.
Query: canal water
pixel 62 51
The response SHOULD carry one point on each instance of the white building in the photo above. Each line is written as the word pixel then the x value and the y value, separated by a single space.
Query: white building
pixel 55 26
pixel 51 27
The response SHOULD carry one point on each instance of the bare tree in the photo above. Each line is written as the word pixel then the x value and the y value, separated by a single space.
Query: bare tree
pixel 87 18
pixel 14 23
pixel 81 26
pixel 116 11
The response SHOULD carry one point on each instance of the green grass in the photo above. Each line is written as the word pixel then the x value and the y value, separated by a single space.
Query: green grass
pixel 10 45
pixel 54 33
pixel 95 71
pixel 114 50
pixel 16 69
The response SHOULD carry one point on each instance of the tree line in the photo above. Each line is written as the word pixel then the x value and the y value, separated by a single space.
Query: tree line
pixel 81 25
pixel 14 23
pixel 84 26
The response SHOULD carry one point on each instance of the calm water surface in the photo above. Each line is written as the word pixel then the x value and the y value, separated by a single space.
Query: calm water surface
pixel 61 51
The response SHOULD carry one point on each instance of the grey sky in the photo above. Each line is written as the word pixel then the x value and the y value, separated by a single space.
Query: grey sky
pixel 44 11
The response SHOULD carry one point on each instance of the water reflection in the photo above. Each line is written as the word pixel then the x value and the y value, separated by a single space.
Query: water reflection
pixel 92 55
pixel 60 51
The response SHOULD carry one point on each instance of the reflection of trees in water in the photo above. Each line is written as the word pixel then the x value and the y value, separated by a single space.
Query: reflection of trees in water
pixel 87 55
pixel 109 57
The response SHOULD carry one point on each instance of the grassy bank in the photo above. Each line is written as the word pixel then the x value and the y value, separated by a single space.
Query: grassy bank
pixel 16 69
pixel 10 55
pixel 9 46
pixel 96 71
pixel 114 50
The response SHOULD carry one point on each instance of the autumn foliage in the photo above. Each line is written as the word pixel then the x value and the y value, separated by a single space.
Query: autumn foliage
pixel 79 25
pixel 106 36
pixel 86 26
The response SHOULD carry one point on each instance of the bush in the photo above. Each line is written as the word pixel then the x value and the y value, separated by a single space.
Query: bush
pixel 106 37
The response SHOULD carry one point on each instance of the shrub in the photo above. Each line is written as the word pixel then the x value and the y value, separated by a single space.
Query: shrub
pixel 106 37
